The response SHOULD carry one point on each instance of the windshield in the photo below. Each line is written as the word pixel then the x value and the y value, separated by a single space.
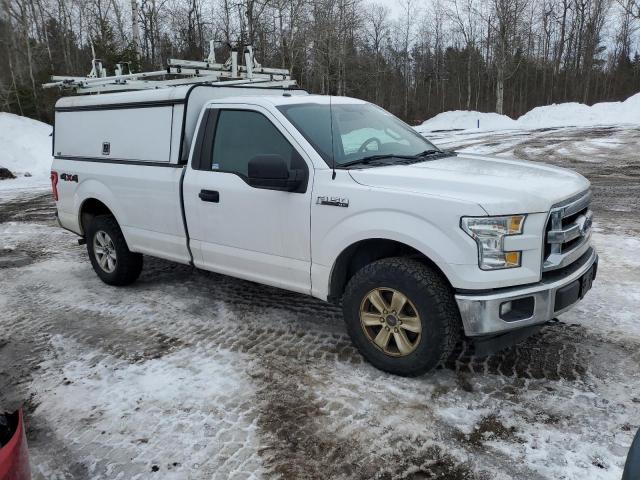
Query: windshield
pixel 360 131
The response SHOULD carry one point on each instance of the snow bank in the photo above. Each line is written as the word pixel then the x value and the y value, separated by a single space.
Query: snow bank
pixel 465 120
pixel 556 115
pixel 25 147
pixel 579 114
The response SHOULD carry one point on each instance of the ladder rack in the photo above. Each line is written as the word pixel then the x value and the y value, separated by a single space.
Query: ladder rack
pixel 177 72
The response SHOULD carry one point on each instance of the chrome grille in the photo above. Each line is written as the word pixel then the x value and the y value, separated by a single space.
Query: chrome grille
pixel 568 232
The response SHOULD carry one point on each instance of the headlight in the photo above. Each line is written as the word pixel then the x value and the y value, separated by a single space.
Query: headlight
pixel 489 233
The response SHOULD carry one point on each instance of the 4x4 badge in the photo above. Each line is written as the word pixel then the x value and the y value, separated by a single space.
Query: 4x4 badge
pixel 67 177
pixel 333 201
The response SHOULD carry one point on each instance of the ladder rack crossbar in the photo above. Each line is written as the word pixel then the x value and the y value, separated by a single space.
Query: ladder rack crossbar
pixel 225 74
pixel 86 81
pixel 152 85
pixel 180 72
pixel 223 67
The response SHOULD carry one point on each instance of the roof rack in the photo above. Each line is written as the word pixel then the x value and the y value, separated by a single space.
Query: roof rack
pixel 177 72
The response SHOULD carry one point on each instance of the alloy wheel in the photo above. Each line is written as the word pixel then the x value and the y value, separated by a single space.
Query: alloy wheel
pixel 390 321
pixel 104 251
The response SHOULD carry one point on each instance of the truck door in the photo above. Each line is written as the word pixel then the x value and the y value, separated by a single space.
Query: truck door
pixel 258 232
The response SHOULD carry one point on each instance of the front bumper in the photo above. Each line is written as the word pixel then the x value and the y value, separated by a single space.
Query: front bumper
pixel 491 313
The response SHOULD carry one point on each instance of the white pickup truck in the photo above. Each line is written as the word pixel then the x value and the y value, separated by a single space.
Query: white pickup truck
pixel 331 197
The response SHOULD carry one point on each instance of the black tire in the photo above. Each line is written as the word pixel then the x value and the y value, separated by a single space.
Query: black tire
pixel 126 266
pixel 434 304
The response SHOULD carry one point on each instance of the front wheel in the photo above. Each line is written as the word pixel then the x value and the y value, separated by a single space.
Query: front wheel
pixel 402 316
pixel 110 256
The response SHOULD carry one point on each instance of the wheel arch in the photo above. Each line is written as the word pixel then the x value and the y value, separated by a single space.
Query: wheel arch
pixel 90 208
pixel 93 197
pixel 362 253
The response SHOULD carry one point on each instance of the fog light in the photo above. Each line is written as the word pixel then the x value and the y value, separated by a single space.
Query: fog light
pixel 505 308
pixel 520 309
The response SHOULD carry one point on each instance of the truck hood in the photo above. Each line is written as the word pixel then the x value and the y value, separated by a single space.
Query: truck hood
pixel 499 186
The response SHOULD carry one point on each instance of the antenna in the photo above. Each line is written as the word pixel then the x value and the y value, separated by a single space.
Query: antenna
pixel 333 152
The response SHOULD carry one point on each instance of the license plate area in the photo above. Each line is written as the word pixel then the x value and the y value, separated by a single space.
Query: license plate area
pixel 576 290
pixel 586 281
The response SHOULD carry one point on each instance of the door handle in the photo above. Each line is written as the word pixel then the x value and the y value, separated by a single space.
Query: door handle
pixel 209 196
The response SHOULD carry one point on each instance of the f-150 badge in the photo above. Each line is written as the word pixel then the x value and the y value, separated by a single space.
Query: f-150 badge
pixel 333 201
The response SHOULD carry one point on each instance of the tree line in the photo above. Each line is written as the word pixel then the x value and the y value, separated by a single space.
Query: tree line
pixel 417 60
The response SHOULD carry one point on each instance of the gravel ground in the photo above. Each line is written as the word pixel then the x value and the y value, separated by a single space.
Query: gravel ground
pixel 190 374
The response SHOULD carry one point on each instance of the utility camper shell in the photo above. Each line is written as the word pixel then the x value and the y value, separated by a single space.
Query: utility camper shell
pixel 154 126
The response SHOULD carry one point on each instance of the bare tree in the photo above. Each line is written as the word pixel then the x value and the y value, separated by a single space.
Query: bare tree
pixel 632 7
pixel 377 31
pixel 135 30
pixel 507 22
pixel 464 14
pixel 592 40
pixel 405 33
pixel 500 55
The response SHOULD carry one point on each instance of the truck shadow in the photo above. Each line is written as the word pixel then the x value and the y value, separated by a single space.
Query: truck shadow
pixel 554 353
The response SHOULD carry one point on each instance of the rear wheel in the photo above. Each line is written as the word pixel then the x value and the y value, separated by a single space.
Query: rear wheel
pixel 401 315
pixel 110 256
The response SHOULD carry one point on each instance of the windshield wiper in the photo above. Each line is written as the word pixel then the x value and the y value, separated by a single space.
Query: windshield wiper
pixel 426 153
pixel 373 158
pixel 429 153
pixel 405 158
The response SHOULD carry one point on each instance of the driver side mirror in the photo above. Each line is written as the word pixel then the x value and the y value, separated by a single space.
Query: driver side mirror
pixel 271 172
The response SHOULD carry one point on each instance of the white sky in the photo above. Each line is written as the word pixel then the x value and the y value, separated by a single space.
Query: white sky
pixel 394 5
pixel 608 32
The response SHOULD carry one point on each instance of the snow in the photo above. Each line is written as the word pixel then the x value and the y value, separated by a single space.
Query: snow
pixel 466 120
pixel 25 149
pixel 578 114
pixel 618 271
pixel 179 432
pixel 549 116
pixel 166 373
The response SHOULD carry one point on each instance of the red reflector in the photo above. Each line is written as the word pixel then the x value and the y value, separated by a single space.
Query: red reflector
pixel 54 184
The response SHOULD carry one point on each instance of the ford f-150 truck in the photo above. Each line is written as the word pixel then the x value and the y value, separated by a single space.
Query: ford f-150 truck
pixel 328 196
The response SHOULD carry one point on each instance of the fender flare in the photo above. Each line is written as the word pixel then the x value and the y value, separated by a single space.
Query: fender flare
pixel 431 241
pixel 93 189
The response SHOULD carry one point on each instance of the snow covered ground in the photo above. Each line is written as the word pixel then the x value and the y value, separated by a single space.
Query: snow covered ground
pixel 190 374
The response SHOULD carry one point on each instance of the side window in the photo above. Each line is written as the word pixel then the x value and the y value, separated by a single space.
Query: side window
pixel 242 135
